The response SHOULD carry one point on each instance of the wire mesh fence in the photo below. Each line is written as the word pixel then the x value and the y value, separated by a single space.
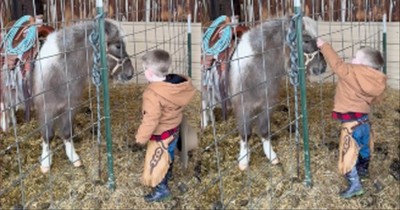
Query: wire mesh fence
pixel 212 178
pixel 262 184
pixel 143 26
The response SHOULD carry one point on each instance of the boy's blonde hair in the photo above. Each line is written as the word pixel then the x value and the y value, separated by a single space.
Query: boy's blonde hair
pixel 158 60
pixel 372 57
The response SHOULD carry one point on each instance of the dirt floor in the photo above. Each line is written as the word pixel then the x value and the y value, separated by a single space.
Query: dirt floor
pixel 199 186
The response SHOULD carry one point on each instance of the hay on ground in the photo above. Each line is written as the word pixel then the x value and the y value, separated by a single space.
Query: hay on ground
pixel 198 187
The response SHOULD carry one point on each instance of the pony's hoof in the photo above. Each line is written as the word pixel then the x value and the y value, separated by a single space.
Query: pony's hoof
pixel 44 169
pixel 77 163
pixel 243 167
pixel 275 161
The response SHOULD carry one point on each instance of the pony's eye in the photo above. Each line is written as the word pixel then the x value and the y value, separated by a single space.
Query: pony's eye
pixel 118 46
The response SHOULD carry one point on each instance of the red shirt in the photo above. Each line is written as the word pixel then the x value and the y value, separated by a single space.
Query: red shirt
pixel 349 116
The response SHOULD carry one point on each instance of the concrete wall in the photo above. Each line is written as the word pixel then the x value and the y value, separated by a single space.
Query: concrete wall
pixel 172 37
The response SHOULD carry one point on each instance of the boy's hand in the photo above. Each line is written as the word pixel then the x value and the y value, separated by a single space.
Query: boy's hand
pixel 320 42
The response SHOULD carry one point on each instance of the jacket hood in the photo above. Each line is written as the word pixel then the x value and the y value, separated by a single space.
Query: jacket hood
pixel 179 94
pixel 371 82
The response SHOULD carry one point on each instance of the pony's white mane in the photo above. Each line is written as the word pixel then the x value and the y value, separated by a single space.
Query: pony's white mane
pixel 83 25
pixel 310 26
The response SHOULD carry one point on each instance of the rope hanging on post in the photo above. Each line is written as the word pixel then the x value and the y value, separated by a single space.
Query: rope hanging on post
pixel 224 40
pixel 294 79
pixel 291 41
pixel 95 42
pixel 94 39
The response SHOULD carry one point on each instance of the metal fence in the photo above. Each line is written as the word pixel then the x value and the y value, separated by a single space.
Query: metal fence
pixel 292 185
pixel 110 176
pixel 306 178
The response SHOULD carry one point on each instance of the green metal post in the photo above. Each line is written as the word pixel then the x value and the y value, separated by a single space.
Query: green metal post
pixel 104 73
pixel 302 79
pixel 384 45
pixel 189 46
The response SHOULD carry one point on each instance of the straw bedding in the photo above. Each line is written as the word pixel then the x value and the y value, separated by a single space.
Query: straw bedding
pixel 198 187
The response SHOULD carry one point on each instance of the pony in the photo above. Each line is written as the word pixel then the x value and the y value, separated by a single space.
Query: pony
pixel 257 67
pixel 62 71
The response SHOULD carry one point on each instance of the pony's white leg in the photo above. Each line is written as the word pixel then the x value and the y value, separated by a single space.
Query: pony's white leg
pixel 45 159
pixel 3 117
pixel 244 156
pixel 269 151
pixel 204 119
pixel 71 153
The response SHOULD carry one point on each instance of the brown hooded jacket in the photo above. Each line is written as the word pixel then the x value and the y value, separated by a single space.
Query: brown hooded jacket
pixel 358 86
pixel 162 108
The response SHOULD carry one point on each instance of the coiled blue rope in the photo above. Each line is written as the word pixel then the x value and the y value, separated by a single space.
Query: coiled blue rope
pixel 222 43
pixel 25 44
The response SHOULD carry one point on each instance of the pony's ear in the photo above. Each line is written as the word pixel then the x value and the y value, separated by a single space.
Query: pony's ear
pixel 111 30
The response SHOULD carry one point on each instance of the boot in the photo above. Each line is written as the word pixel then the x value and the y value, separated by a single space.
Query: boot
pixel 362 167
pixel 354 188
pixel 160 193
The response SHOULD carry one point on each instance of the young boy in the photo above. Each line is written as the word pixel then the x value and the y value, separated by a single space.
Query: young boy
pixel 360 84
pixel 163 102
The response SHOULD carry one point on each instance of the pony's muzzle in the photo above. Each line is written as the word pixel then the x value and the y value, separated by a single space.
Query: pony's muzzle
pixel 315 63
pixel 127 71
pixel 318 71
pixel 126 77
pixel 123 69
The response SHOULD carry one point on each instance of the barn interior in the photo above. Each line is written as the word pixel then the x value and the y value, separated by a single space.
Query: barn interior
pixel 212 179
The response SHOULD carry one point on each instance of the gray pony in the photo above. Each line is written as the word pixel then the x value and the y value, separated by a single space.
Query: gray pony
pixel 258 65
pixel 63 70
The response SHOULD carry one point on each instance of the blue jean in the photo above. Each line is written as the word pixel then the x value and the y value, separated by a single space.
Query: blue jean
pixel 172 146
pixel 362 136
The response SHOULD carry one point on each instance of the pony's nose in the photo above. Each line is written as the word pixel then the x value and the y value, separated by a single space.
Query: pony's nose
pixel 127 77
pixel 318 71
pixel 315 70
